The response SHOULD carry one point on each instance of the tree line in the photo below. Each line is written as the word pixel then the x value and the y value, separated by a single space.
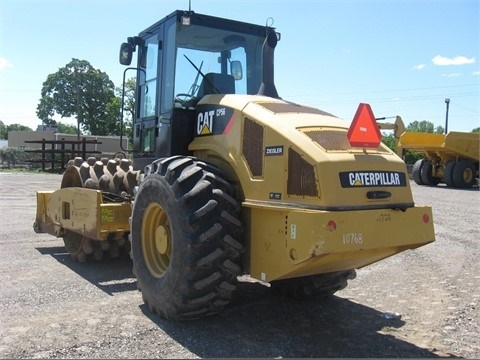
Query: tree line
pixel 5 129
pixel 81 91
pixel 78 90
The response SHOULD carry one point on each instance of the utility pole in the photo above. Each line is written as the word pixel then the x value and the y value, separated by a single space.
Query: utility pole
pixel 78 112
pixel 447 101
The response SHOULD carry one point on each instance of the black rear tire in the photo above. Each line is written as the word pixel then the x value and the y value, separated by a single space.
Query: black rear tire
pixel 426 174
pixel 464 174
pixel 186 239
pixel 448 175
pixel 322 285
pixel 416 171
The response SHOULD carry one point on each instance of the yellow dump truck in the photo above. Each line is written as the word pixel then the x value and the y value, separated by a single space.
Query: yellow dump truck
pixel 451 158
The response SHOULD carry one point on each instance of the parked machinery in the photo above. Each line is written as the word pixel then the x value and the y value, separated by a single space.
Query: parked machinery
pixel 230 179
pixel 451 158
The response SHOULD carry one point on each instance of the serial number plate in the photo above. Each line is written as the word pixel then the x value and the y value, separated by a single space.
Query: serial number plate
pixel 353 239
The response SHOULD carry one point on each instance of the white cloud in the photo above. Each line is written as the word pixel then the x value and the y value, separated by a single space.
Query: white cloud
pixel 419 67
pixel 457 60
pixel 4 63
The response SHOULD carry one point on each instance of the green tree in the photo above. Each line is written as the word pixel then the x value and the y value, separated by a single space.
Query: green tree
pixel 476 130
pixel 439 130
pixel 66 128
pixel 128 105
pixel 411 157
pixel 425 126
pixel 3 131
pixel 421 126
pixel 390 141
pixel 18 127
pixel 79 90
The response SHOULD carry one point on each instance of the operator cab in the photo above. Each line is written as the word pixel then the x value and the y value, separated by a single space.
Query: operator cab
pixel 182 58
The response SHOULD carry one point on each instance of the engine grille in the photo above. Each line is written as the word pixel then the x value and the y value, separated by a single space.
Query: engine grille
pixel 253 135
pixel 334 140
pixel 301 176
pixel 280 108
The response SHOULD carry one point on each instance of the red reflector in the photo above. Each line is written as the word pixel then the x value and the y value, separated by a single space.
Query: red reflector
pixel 426 218
pixel 364 131
pixel 332 225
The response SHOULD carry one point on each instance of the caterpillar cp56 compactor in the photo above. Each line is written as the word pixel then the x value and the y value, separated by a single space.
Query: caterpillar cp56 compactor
pixel 229 179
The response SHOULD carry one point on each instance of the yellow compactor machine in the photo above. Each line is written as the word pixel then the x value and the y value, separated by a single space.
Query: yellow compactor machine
pixel 229 179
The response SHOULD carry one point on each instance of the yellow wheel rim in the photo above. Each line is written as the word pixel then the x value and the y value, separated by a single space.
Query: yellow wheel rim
pixel 156 240
pixel 468 175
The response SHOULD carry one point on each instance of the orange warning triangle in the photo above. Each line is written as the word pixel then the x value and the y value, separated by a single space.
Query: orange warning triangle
pixel 364 131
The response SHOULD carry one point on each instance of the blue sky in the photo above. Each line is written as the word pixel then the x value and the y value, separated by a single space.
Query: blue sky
pixel 403 57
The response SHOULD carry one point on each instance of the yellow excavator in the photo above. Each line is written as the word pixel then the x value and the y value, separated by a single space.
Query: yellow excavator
pixel 230 179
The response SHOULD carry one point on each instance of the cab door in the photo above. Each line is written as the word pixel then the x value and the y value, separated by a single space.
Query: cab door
pixel 147 107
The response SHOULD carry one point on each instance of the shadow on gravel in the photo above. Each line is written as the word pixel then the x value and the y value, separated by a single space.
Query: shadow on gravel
pixel 262 324
pixel 111 276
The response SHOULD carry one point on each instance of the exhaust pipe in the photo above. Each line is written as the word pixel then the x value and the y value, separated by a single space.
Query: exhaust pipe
pixel 267 88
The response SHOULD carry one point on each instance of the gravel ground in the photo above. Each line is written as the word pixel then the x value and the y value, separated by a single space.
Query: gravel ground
pixel 421 303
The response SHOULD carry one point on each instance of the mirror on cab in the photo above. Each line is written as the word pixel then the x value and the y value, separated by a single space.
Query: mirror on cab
pixel 236 69
pixel 126 51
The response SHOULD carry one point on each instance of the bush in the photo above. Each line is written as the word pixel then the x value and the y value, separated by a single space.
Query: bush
pixel 11 157
pixel 14 157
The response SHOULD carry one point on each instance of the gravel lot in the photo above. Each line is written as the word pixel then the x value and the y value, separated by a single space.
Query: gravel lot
pixel 421 303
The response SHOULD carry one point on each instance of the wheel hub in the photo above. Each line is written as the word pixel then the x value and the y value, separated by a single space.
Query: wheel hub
pixel 467 175
pixel 161 240
pixel 156 241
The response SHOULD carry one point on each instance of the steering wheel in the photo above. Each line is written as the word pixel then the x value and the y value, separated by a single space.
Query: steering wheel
pixel 183 99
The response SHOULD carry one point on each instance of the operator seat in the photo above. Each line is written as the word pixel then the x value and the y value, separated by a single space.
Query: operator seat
pixel 214 83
